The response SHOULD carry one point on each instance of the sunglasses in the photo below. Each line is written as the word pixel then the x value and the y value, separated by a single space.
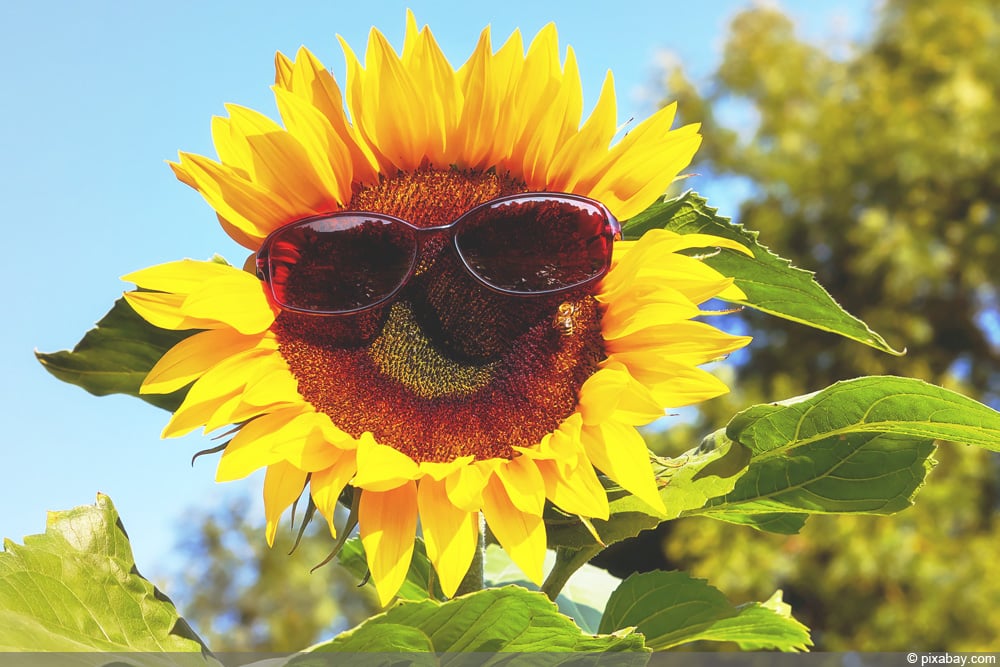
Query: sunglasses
pixel 529 244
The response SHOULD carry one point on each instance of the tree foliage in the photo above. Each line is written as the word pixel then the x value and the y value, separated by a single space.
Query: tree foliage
pixel 243 596
pixel 878 170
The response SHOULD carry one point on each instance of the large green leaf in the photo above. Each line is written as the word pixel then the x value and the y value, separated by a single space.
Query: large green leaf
pixel 672 608
pixel 497 620
pixel 876 404
pixel 686 482
pixel 854 473
pixel 771 283
pixel 76 588
pixel 784 523
pixel 116 355
pixel 857 446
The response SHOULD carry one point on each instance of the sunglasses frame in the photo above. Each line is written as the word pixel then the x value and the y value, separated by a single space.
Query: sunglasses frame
pixel 611 231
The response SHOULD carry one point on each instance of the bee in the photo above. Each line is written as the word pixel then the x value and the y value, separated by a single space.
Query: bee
pixel 564 320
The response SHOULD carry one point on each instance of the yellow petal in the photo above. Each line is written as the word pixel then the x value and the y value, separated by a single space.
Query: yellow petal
pixel 677 385
pixel 393 118
pixel 326 486
pixel 451 534
pixel 620 453
pixel 473 137
pixel 576 490
pixel 435 81
pixel 237 299
pixel 166 311
pixel 524 484
pixel 613 394
pixel 282 70
pixel 508 68
pixel 636 179
pixel 201 413
pixel 439 471
pixel 578 153
pixel 310 81
pixel 520 534
pixel 283 484
pixel 357 101
pixel 233 150
pixel 282 165
pixel 561 445
pixel 277 385
pixel 388 525
pixel 537 84
pixel 560 121
pixel 312 454
pixel 245 204
pixel 653 263
pixel 381 467
pixel 677 343
pixel 325 150
pixel 254 446
pixel 641 166
pixel 192 357
pixel 222 381
pixel 465 486
pixel 640 311
pixel 668 241
pixel 180 277
pixel 223 414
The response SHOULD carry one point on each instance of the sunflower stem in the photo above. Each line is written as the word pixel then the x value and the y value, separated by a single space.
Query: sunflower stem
pixel 473 580
pixel 568 561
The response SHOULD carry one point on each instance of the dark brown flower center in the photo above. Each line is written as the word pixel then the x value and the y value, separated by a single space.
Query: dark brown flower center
pixel 450 368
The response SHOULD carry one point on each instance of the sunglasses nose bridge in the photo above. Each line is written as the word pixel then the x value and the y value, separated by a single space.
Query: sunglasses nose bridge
pixel 431 242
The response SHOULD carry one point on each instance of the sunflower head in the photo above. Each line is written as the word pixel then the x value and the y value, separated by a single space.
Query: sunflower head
pixel 429 387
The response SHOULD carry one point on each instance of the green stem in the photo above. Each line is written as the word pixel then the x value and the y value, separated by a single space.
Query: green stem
pixel 473 580
pixel 568 561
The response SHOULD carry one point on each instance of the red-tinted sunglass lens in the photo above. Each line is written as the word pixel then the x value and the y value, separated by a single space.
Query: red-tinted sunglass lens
pixel 339 264
pixel 535 244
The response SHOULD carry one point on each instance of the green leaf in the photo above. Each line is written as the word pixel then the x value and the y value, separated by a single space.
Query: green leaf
pixel 771 283
pixel 686 482
pixel 784 523
pixel 761 626
pixel 582 598
pixel 857 446
pixel 856 473
pixel 877 404
pixel 421 580
pixel 673 608
pixel 76 588
pixel 497 620
pixel 116 355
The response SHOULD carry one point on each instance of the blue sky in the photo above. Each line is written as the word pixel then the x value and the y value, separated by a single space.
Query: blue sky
pixel 100 94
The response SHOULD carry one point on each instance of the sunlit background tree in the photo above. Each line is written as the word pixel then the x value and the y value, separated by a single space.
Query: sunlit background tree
pixel 878 171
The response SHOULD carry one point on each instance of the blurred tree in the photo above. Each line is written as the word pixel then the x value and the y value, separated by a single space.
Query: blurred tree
pixel 881 172
pixel 239 595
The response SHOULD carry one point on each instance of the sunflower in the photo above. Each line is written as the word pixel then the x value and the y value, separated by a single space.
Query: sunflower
pixel 450 401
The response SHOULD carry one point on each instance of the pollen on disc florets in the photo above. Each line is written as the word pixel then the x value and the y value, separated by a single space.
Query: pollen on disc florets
pixel 450 368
